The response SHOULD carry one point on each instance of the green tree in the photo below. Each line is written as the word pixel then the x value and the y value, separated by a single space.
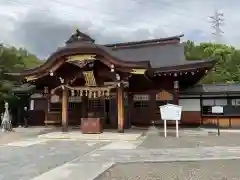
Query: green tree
pixel 226 69
pixel 13 60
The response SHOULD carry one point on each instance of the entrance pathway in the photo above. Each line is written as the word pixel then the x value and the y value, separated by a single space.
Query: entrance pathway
pixel 58 159
pixel 92 165
pixel 129 135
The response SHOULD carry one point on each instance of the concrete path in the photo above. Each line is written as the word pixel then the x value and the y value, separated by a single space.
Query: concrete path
pixel 22 133
pixel 95 163
pixel 26 161
pixel 58 159
pixel 129 136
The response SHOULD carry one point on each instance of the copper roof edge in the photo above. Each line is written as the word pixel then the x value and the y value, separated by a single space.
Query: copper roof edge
pixel 177 37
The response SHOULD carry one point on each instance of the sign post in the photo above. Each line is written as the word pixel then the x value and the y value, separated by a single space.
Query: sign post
pixel 217 110
pixel 165 128
pixel 171 112
pixel 177 131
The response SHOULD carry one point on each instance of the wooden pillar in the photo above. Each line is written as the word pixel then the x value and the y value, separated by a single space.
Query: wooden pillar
pixel 130 107
pixel 120 108
pixel 65 110
pixel 176 92
pixel 84 105
pixel 46 109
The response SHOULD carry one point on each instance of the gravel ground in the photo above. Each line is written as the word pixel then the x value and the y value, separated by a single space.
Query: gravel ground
pixel 201 170
pixel 156 141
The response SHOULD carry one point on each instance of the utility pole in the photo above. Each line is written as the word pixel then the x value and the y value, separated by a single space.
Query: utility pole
pixel 217 22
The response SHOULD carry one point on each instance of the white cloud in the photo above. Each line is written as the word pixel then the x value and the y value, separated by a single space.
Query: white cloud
pixel 43 25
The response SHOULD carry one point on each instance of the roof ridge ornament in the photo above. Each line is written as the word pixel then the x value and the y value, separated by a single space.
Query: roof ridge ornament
pixel 79 36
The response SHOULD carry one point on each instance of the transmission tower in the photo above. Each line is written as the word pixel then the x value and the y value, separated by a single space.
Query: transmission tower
pixel 217 22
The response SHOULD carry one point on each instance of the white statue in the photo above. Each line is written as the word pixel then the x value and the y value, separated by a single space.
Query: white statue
pixel 6 120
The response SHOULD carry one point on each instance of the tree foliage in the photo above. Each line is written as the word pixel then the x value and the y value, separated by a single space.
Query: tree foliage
pixel 227 68
pixel 13 60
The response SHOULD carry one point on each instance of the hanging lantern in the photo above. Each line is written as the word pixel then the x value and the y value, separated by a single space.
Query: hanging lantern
pixel 45 91
pixel 61 80
pixel 175 84
pixel 51 73
pixel 118 77
pixel 112 68
pixel 90 94
pixel 72 93
pixel 107 93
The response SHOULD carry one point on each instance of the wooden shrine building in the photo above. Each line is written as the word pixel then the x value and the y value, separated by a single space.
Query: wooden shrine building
pixel 119 84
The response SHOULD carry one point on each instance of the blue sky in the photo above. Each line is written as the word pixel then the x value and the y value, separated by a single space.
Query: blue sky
pixel 42 26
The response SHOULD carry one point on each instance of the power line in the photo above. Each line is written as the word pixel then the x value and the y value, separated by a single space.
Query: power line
pixel 217 22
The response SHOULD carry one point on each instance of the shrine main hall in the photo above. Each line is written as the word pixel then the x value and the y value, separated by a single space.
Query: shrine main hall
pixel 112 86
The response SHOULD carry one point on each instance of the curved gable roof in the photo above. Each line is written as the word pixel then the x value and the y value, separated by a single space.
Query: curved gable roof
pixel 163 52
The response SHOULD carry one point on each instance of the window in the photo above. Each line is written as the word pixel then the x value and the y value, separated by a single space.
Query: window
pixel 235 102
pixel 214 102
pixel 95 103
pixel 73 106
pixel 55 107
pixel 141 100
pixel 208 103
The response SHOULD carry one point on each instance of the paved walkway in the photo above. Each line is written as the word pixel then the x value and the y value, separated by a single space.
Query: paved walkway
pixel 58 159
pixel 193 170
pixel 22 133
pixel 7 137
pixel 93 164
pixel 106 135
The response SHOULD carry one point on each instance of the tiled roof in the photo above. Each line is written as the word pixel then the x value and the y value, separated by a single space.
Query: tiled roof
pixel 24 88
pixel 213 88
pixel 141 42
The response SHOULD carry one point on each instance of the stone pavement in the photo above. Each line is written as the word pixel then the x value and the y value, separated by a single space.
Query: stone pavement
pixel 43 158
pixel 129 135
pixel 95 163
pixel 27 161
pixel 196 170
pixel 159 142
pixel 21 133
pixel 7 137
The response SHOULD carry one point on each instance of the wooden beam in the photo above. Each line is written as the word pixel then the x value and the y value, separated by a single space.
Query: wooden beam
pixel 81 57
pixel 120 108
pixel 65 109
pixel 138 71
pixel 30 78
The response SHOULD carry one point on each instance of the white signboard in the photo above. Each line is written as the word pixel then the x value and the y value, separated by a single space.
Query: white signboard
pixel 217 109
pixel 171 112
